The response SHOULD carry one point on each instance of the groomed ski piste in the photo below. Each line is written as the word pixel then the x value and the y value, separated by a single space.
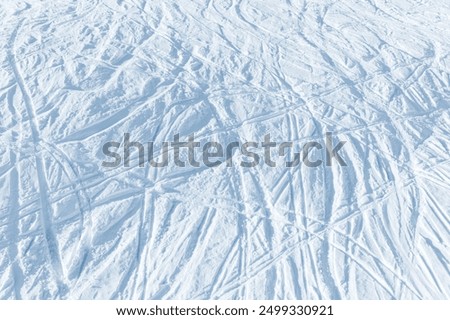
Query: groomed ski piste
pixel 75 75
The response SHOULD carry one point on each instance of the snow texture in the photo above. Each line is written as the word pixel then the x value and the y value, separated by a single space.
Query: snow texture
pixel 77 74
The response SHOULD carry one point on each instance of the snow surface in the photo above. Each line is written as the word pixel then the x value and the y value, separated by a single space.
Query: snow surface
pixel 77 74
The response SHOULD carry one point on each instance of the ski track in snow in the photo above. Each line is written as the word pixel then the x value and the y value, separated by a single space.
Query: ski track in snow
pixel 77 74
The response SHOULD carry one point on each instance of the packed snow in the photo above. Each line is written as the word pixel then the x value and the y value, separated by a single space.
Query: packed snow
pixel 75 75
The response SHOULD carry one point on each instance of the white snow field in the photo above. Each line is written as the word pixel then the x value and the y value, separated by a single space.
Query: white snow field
pixel 75 75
